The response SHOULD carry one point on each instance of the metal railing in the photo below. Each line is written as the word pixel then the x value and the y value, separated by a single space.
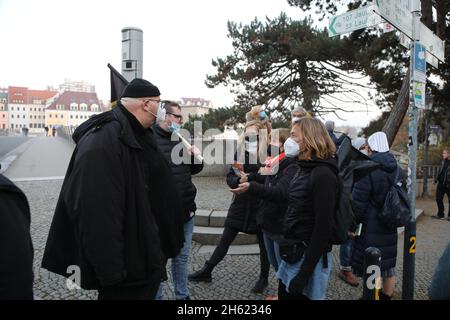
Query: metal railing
pixel 66 133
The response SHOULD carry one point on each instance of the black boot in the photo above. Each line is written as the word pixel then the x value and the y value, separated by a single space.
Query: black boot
pixel 202 275
pixel 260 285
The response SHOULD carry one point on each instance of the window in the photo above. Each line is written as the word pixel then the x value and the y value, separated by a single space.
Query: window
pixel 71 117
pixel 12 108
pixel 62 116
pixel 76 117
pixel 23 109
pixel 3 116
pixel 50 115
pixel 23 117
pixel 12 126
pixel 12 116
pixel 74 107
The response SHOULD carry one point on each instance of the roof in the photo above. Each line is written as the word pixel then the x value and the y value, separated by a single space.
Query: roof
pixel 18 95
pixel 69 97
pixel 42 95
pixel 22 95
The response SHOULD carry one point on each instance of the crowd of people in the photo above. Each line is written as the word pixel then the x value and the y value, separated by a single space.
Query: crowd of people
pixel 126 208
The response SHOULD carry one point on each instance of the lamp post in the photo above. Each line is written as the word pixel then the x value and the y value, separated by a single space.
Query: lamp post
pixel 429 99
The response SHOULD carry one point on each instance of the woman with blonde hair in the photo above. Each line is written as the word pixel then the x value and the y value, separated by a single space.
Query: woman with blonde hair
pixel 305 250
pixel 280 168
pixel 241 217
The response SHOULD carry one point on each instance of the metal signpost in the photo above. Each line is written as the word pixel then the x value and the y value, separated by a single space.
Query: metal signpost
pixel 405 16
pixel 360 18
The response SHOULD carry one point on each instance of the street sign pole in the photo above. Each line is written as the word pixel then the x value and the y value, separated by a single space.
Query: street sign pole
pixel 413 113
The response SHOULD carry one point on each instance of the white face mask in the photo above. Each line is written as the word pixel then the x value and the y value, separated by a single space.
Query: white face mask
pixel 160 115
pixel 364 151
pixel 291 148
pixel 294 119
pixel 251 147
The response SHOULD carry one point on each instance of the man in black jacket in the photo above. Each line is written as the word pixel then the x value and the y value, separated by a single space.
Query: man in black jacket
pixel 16 248
pixel 113 219
pixel 443 185
pixel 174 152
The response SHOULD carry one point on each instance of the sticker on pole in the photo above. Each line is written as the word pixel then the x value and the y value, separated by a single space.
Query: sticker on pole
pixel 420 63
pixel 419 94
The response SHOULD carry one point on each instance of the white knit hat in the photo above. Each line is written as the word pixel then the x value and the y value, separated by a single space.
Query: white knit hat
pixel 378 142
pixel 357 143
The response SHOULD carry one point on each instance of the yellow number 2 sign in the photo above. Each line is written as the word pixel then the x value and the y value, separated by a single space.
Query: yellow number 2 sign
pixel 412 241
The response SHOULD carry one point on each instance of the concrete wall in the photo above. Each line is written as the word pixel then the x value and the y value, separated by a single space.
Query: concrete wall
pixel 218 154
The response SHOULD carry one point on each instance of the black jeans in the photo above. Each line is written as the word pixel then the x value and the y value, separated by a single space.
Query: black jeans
pixel 145 292
pixel 440 192
pixel 228 235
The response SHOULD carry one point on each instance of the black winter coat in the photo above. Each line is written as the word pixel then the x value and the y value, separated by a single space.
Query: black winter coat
pixel 182 173
pixel 16 248
pixel 368 197
pixel 441 177
pixel 274 192
pixel 112 218
pixel 242 212
pixel 312 203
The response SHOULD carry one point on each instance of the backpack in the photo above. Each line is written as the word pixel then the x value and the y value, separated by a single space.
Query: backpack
pixel 343 216
pixel 396 209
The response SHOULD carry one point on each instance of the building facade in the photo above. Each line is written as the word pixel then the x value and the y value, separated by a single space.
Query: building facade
pixel 76 86
pixel 26 108
pixel 194 106
pixel 72 108
pixel 4 117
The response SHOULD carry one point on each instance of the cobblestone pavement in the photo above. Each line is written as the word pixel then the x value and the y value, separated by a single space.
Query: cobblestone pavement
pixel 235 275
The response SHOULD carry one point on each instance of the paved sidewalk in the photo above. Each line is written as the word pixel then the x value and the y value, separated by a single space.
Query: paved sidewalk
pixel 45 157
pixel 235 275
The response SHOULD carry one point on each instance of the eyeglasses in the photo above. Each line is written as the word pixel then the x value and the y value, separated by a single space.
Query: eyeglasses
pixel 153 100
pixel 180 117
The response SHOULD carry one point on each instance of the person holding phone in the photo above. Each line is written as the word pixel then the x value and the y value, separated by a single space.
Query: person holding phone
pixel 241 217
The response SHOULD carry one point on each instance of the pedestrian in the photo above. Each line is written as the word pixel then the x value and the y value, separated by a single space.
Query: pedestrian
pixel 280 170
pixel 312 197
pixel 330 128
pixel 182 173
pixel 16 247
pixel 298 113
pixel 241 217
pixel 117 217
pixel 443 185
pixel 345 250
pixel 46 131
pixel 54 130
pixel 440 283
pixel 368 195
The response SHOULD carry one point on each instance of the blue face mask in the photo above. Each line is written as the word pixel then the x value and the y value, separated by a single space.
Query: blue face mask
pixel 174 127
pixel 262 115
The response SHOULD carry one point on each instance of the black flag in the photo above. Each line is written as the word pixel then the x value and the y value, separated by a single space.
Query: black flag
pixel 118 83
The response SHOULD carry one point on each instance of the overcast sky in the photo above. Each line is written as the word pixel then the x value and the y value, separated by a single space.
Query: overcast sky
pixel 45 41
